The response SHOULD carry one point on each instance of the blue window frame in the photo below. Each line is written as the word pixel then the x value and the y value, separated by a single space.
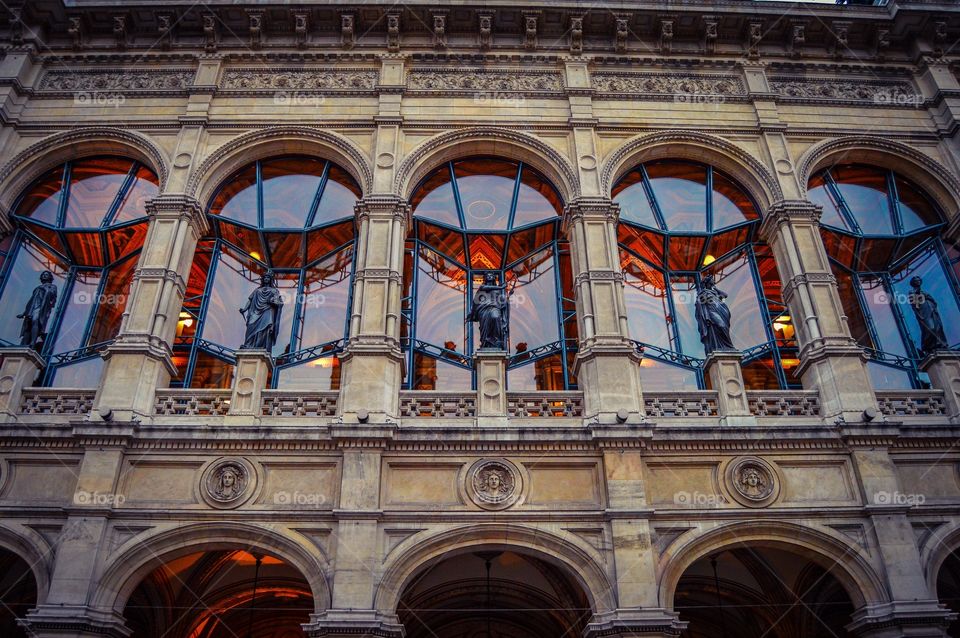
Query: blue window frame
pixel 679 221
pixel 293 216
pixel 85 222
pixel 880 230
pixel 487 215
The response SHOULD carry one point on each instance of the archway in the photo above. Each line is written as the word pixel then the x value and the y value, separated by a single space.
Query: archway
pixel 18 592
pixel 948 588
pixel 502 594
pixel 220 594
pixel 748 592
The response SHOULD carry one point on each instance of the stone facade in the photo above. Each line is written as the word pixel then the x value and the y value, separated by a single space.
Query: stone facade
pixel 624 489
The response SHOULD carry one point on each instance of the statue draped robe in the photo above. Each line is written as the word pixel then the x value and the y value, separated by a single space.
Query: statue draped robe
pixel 262 313
pixel 713 320
pixel 932 336
pixel 36 314
pixel 490 312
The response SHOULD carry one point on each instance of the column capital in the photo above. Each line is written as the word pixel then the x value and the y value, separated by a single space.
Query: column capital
pixel 383 206
pixel 789 210
pixel 581 207
pixel 72 621
pixel 341 623
pixel 630 622
pixel 877 619
pixel 179 205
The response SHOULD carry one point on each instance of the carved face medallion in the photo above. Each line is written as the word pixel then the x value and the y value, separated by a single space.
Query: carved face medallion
pixel 227 483
pixel 752 482
pixel 493 484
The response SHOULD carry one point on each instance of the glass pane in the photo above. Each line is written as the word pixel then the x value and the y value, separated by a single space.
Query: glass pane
pixel 851 307
pixel 646 243
pixel 325 240
pixel 541 375
pixel 23 277
pixel 864 189
pixel 449 242
pixel 211 372
pixel 318 375
pixel 818 193
pixel 875 254
pixel 839 246
pixel 684 302
pixel 659 376
pixel 434 199
pixel 94 185
pixel 526 241
pixel 724 243
pixel 237 198
pixel 681 192
pixel 880 306
pixel 536 201
pixel 433 374
pixel 339 196
pixel 84 374
pixel 761 374
pixel 42 201
pixel 730 203
pixel 532 289
pixel 85 248
pixel 234 280
pixel 326 300
pixel 125 241
pixel 884 377
pixel 486 192
pixel 684 252
pixel 647 304
pixel 736 279
pixel 49 236
pixel 113 301
pixel 916 210
pixel 145 187
pixel 76 313
pixel 441 301
pixel 289 187
pixel 486 251
pixel 936 284
pixel 197 281
pixel 246 239
pixel 634 203
pixel 286 249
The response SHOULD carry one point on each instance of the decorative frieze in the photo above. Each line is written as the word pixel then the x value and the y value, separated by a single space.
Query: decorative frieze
pixel 458 80
pixel 117 80
pixel 299 80
pixel 667 84
pixel 895 93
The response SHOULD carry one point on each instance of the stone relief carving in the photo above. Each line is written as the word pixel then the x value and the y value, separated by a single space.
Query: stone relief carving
pixel 667 84
pixel 227 483
pixel 476 80
pixel 493 484
pixel 752 482
pixel 837 89
pixel 117 80
pixel 305 80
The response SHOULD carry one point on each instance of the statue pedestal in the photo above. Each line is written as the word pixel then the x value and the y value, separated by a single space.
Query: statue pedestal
pixel 491 383
pixel 943 367
pixel 726 377
pixel 253 369
pixel 19 368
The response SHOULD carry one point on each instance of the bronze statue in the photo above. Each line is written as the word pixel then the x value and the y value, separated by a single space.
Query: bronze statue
pixel 490 311
pixel 932 336
pixel 713 317
pixel 262 314
pixel 37 312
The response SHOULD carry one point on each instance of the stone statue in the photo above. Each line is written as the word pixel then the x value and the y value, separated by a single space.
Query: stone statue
pixel 262 314
pixel 713 317
pixel 490 311
pixel 37 312
pixel 932 336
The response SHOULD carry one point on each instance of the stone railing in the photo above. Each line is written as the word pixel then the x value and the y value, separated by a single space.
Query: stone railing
pixel 784 403
pixel 192 402
pixel 545 404
pixel 430 404
pixel 911 402
pixel 57 401
pixel 681 404
pixel 289 403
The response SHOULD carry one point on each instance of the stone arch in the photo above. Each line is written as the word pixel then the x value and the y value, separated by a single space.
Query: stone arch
pixel 936 549
pixel 828 549
pixel 139 556
pixel 280 140
pixel 51 151
pixel 938 182
pixel 417 552
pixel 35 551
pixel 486 140
pixel 700 147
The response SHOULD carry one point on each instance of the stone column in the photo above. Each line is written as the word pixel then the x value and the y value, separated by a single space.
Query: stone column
pixel 607 365
pixel 726 377
pixel 491 383
pixel 943 366
pixel 249 380
pixel 19 369
pixel 140 360
pixel 373 363
pixel 831 362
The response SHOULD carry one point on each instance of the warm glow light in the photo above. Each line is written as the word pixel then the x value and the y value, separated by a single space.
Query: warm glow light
pixel 256 255
pixel 326 362
pixel 789 363
pixel 709 259
pixel 184 320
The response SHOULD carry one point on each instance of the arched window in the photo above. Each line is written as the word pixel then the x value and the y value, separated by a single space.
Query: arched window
pixel 880 230
pixel 478 216
pixel 85 222
pixel 292 216
pixel 680 221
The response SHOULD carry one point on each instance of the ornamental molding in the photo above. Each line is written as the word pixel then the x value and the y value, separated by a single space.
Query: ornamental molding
pixel 147 80
pixel 886 93
pixel 615 164
pixel 614 84
pixel 478 80
pixel 345 80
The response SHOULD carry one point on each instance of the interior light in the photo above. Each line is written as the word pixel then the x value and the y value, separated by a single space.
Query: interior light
pixel 786 364
pixel 256 255
pixel 184 320
pixel 709 259
pixel 325 362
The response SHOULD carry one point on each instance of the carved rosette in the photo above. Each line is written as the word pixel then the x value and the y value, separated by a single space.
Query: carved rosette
pixel 228 483
pixel 493 484
pixel 752 481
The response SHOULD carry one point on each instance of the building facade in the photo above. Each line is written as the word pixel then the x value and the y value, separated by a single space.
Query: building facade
pixel 372 471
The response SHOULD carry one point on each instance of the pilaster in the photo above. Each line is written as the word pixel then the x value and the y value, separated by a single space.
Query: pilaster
pixel 831 362
pixel 19 369
pixel 726 377
pixel 943 367
pixel 491 383
pixel 253 369
pixel 140 361
pixel 607 364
